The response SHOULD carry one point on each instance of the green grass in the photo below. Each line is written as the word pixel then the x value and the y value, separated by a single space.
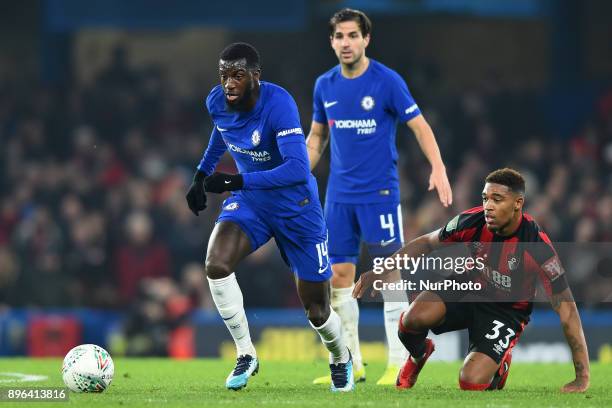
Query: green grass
pixel 200 383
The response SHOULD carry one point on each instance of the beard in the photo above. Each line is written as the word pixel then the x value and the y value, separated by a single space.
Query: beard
pixel 241 104
pixel 356 59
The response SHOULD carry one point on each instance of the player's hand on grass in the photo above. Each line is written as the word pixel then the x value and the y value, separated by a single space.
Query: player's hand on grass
pixel 196 197
pixel 580 384
pixel 439 181
pixel 221 182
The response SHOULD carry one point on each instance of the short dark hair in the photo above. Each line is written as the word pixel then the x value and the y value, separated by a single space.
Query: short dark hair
pixel 507 177
pixel 347 14
pixel 239 50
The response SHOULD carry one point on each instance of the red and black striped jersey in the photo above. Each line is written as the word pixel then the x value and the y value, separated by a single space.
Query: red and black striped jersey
pixel 514 263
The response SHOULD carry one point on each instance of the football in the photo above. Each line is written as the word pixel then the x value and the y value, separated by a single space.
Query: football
pixel 88 368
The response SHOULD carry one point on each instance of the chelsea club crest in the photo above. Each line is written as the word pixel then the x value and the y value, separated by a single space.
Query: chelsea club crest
pixel 231 206
pixel 367 103
pixel 255 137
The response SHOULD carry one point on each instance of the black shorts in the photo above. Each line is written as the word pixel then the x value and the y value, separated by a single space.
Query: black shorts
pixel 492 329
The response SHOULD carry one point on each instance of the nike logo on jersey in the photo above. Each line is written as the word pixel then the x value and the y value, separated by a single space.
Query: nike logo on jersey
pixel 384 243
pixel 227 181
pixel 221 130
pixel 329 104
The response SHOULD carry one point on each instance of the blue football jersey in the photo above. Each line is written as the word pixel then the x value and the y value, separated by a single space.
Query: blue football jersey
pixel 362 114
pixel 253 140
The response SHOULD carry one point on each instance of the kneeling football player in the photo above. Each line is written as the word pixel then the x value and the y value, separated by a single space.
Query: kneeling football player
pixel 515 250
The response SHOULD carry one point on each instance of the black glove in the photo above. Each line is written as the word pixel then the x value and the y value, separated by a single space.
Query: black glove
pixel 220 182
pixel 196 197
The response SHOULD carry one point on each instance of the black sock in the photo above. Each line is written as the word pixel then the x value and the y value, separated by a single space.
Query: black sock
pixel 414 342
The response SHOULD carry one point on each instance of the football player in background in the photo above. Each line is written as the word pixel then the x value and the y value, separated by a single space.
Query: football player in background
pixel 357 105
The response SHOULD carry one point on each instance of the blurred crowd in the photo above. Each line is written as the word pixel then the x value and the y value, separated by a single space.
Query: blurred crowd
pixel 93 178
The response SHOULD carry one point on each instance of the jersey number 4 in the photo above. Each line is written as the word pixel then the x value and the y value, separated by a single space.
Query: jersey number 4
pixel 387 223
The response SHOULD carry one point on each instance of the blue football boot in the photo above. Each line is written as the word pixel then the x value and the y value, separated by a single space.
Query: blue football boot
pixel 342 376
pixel 246 366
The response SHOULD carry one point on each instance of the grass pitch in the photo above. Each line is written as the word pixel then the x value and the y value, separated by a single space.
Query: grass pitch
pixel 200 383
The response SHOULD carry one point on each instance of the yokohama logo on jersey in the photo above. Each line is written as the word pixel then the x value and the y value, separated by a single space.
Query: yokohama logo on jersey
pixel 257 156
pixel 363 126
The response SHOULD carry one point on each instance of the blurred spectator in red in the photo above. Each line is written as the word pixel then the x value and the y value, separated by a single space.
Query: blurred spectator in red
pixel 9 273
pixel 141 257
pixel 194 285
pixel 159 308
pixel 87 262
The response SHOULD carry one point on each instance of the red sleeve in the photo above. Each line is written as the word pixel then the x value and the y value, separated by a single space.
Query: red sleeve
pixel 463 227
pixel 546 263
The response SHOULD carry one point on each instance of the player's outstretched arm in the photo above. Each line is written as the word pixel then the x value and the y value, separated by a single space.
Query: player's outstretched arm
pixel 316 142
pixel 422 245
pixel 563 303
pixel 427 141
